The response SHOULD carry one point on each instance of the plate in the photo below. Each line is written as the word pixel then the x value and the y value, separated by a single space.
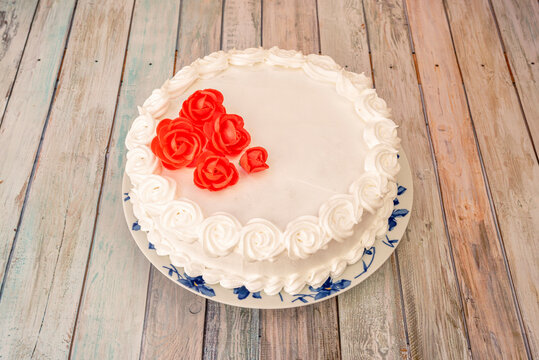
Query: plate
pixel 371 260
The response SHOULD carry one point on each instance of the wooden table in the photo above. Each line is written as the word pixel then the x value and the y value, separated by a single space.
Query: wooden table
pixel 462 78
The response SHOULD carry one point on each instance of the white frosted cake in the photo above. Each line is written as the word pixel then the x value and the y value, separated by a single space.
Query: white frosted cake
pixel 277 177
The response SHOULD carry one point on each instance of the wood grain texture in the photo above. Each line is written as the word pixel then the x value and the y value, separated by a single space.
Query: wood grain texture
pixel 232 332
pixel 343 36
pixel 174 325
pixel 309 332
pixel 172 309
pixel 242 24
pixel 43 286
pixel 478 257
pixel 290 25
pixel 518 21
pixel 431 299
pixel 507 150
pixel 27 111
pixel 370 318
pixel 114 299
pixel 15 22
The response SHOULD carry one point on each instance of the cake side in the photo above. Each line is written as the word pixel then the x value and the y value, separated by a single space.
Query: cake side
pixel 344 225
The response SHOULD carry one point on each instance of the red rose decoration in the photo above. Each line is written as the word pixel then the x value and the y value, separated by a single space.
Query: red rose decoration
pixel 178 143
pixel 226 135
pixel 254 159
pixel 214 172
pixel 203 106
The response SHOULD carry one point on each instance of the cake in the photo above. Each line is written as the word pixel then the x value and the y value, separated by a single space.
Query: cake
pixel 326 155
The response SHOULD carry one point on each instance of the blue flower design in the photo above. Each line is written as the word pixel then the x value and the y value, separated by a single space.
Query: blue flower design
pixel 151 246
pixel 328 288
pixel 390 243
pixel 243 293
pixel 370 252
pixel 194 283
pixel 126 196
pixel 401 190
pixel 135 226
pixel 392 221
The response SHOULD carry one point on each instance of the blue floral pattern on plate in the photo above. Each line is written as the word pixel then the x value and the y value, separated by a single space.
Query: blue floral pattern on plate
pixel 194 283
pixel 243 293
pixel 330 287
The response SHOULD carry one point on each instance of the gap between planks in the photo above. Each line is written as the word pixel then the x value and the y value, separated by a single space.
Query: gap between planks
pixel 38 151
pixel 99 197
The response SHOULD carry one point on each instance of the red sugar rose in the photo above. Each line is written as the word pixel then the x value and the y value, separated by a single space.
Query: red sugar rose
pixel 226 135
pixel 203 106
pixel 214 172
pixel 254 159
pixel 178 143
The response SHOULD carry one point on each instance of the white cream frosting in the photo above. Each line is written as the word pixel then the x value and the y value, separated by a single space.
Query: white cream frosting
pixel 141 162
pixel 180 219
pixel 181 81
pixel 210 245
pixel 211 65
pixel 303 237
pixel 261 240
pixel 142 130
pixel 339 215
pixel 157 104
pixel 219 234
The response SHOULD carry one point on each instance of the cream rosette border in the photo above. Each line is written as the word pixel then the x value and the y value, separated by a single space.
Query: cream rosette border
pixel 168 219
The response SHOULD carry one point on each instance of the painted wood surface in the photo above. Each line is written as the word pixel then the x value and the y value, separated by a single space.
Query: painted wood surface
pixel 308 332
pixel 43 287
pixel 27 113
pixel 478 256
pixel 518 22
pixel 117 276
pixel 431 299
pixel 343 36
pixel 232 332
pixel 508 157
pixel 172 309
pixel 16 19
pixel 66 287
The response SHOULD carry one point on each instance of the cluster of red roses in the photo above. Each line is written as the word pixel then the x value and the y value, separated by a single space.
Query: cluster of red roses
pixel 202 137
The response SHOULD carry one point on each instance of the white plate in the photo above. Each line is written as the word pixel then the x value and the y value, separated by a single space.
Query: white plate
pixel 372 259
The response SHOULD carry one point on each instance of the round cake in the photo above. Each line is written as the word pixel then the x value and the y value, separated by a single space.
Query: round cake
pixel 267 169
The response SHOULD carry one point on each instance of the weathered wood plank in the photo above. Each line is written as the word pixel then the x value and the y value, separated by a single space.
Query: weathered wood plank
pixel 170 308
pixel 370 318
pixel 15 23
pixel 174 321
pixel 488 304
pixel 290 25
pixel 232 332
pixel 431 299
pixel 26 113
pixel 508 156
pixel 309 332
pixel 43 286
pixel 114 299
pixel 343 36
pixel 518 21
pixel 242 26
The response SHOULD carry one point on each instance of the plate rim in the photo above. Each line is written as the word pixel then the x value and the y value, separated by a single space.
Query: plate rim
pixel 151 255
